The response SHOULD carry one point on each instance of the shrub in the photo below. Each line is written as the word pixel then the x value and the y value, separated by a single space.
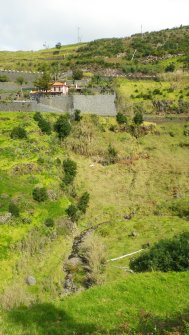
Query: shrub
pixel 166 255
pixel 77 115
pixel 112 154
pixel 138 118
pixel 70 171
pixel 77 74
pixel 49 222
pixel 3 78
pixel 71 211
pixel 37 116
pixel 170 68
pixel 18 132
pixel 40 194
pixel 44 126
pixel 121 118
pixel 13 209
pixel 83 202
pixel 62 127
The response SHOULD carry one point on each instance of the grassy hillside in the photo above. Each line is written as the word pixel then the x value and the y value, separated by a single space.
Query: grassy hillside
pixel 141 198
pixel 141 304
pixel 152 53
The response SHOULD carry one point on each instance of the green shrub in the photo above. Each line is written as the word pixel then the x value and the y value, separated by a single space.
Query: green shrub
pixel 37 116
pixel 170 67
pixel 18 132
pixel 70 171
pixel 62 127
pixel 83 202
pixel 77 115
pixel 138 118
pixel 112 154
pixel 49 222
pixel 40 194
pixel 166 255
pixel 3 78
pixel 72 212
pixel 121 118
pixel 44 126
pixel 13 209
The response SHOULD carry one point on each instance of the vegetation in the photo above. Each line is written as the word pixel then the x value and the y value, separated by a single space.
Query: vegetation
pixel 83 202
pixel 62 127
pixel 166 255
pixel 40 194
pixel 70 171
pixel 18 133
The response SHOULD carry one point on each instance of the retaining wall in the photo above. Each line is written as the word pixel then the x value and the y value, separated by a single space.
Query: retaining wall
pixel 94 104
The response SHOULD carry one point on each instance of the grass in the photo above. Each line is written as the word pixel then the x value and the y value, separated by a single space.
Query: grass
pixel 137 304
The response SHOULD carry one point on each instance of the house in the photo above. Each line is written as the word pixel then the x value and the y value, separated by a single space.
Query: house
pixel 59 87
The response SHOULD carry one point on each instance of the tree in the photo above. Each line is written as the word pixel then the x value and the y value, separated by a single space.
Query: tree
pixel 58 45
pixel 138 118
pixel 70 171
pixel 43 82
pixel 77 74
pixel 37 116
pixel 62 127
pixel 121 118
pixel 40 194
pixel 83 202
pixel 18 133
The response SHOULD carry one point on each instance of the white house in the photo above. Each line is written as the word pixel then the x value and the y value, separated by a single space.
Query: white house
pixel 59 87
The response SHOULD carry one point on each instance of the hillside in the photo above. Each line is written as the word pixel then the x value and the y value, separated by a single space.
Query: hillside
pixel 150 52
pixel 141 198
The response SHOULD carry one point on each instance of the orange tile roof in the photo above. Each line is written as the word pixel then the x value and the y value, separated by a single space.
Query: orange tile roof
pixel 57 83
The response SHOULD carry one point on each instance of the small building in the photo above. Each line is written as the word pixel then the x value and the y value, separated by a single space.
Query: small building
pixel 59 88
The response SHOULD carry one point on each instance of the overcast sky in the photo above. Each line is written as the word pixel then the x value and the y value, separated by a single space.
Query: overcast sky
pixel 29 24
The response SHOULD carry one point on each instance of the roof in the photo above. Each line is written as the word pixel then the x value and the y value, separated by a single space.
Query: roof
pixel 58 83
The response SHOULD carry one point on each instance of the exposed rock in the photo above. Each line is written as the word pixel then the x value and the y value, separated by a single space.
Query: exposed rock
pixel 133 234
pixel 5 218
pixel 30 280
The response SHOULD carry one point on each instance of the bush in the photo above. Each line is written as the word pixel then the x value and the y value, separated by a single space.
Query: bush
pixel 44 126
pixel 71 211
pixel 170 68
pixel 138 118
pixel 13 209
pixel 37 116
pixel 62 127
pixel 40 194
pixel 3 78
pixel 77 115
pixel 166 255
pixel 77 74
pixel 83 202
pixel 112 154
pixel 121 118
pixel 18 132
pixel 49 222
pixel 70 171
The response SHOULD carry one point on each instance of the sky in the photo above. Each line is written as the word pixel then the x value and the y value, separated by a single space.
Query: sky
pixel 36 24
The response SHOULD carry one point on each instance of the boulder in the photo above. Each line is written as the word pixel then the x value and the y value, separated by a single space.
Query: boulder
pixel 30 280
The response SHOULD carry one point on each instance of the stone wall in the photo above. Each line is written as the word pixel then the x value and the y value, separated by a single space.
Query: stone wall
pixel 94 104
